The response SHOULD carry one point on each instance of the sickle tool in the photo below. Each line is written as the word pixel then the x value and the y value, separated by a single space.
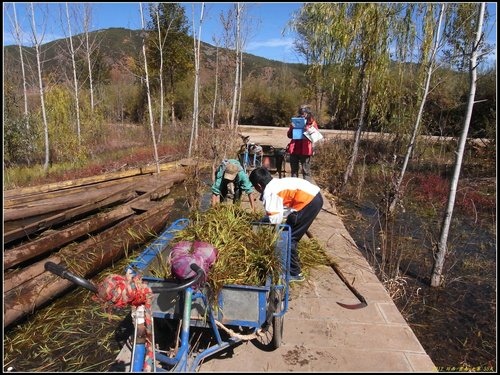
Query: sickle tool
pixel 335 267
pixel 351 288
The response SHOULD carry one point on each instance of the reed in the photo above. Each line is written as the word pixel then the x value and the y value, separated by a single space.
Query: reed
pixel 247 252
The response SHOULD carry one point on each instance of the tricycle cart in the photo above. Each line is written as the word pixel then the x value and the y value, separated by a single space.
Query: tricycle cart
pixel 242 313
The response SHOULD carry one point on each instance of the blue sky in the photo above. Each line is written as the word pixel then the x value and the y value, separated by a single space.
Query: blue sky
pixel 267 22
pixel 265 38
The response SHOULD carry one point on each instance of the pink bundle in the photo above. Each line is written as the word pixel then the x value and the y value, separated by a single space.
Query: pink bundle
pixel 184 253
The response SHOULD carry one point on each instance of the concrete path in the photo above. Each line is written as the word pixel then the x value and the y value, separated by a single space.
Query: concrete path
pixel 321 336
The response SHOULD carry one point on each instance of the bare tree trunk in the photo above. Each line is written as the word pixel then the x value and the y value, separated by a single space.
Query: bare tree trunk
pixel 88 51
pixel 160 48
pixel 19 40
pixel 196 40
pixel 393 200
pixel 151 123
pixel 161 43
pixel 437 271
pixel 214 106
pixel 75 80
pixel 172 101
pixel 352 161
pixel 240 87
pixel 172 113
pixel 237 73
pixel 37 43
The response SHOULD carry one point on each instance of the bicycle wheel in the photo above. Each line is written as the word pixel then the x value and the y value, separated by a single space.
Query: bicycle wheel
pixel 272 330
pixel 277 321
pixel 246 161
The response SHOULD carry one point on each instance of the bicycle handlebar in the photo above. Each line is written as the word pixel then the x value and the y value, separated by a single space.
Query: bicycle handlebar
pixel 199 273
pixel 61 271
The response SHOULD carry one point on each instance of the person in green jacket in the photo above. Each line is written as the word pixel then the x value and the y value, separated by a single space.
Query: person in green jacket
pixel 230 181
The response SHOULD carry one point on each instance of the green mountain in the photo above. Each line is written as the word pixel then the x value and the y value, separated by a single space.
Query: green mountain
pixel 117 46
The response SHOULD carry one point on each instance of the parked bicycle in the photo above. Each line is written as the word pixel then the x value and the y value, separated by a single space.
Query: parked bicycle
pixel 250 155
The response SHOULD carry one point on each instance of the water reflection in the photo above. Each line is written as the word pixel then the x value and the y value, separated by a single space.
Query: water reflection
pixel 456 323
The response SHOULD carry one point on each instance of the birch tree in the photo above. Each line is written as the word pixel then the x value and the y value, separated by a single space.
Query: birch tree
pixel 37 41
pixel 226 68
pixel 75 79
pixel 177 59
pixel 148 91
pixel 429 62
pixel 161 43
pixel 90 47
pixel 240 86
pixel 472 53
pixel 237 50
pixel 18 36
pixel 216 84
pixel 193 143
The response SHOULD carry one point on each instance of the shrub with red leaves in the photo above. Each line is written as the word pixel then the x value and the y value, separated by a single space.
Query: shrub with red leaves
pixel 432 188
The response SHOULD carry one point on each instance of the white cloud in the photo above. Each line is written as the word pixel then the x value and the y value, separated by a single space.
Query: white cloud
pixel 271 43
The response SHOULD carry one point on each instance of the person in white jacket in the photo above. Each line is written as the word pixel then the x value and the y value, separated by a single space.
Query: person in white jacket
pixel 293 199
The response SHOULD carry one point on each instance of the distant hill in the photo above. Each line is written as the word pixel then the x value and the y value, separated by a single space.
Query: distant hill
pixel 116 45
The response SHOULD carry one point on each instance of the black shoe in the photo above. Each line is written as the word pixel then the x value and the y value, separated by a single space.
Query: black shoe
pixel 297 278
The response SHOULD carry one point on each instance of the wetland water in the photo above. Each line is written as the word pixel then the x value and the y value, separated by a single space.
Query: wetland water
pixel 456 324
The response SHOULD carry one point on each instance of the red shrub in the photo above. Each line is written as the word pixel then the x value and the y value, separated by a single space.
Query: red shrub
pixel 432 188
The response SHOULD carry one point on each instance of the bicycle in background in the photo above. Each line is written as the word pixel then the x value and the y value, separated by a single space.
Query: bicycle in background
pixel 250 155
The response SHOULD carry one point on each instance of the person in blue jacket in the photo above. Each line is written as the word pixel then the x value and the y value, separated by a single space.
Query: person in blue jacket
pixel 230 181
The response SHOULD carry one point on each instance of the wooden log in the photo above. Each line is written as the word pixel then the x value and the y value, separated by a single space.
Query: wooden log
pixel 45 206
pixel 13 257
pixel 86 260
pixel 87 180
pixel 46 287
pixel 162 184
pixel 22 200
pixel 159 193
pixel 17 208
pixel 144 205
pixel 18 277
pixel 137 204
pixel 121 196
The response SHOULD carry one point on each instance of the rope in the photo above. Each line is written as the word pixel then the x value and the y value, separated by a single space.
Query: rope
pixel 122 291
pixel 248 337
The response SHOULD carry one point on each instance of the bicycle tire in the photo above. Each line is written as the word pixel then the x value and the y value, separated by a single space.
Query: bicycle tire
pixel 278 321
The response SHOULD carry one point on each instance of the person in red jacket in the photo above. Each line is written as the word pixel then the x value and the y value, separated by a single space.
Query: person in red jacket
pixel 301 150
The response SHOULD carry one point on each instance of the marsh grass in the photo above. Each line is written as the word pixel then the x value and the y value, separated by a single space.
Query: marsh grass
pixel 245 256
pixel 65 336
pixel 71 334
pixel 128 147
pixel 455 323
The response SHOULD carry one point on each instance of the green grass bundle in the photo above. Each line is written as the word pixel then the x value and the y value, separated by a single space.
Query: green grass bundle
pixel 246 252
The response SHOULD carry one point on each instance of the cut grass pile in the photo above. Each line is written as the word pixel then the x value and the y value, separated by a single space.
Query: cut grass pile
pixel 247 250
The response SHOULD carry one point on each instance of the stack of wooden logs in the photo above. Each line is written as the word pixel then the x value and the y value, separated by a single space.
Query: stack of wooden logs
pixel 83 224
